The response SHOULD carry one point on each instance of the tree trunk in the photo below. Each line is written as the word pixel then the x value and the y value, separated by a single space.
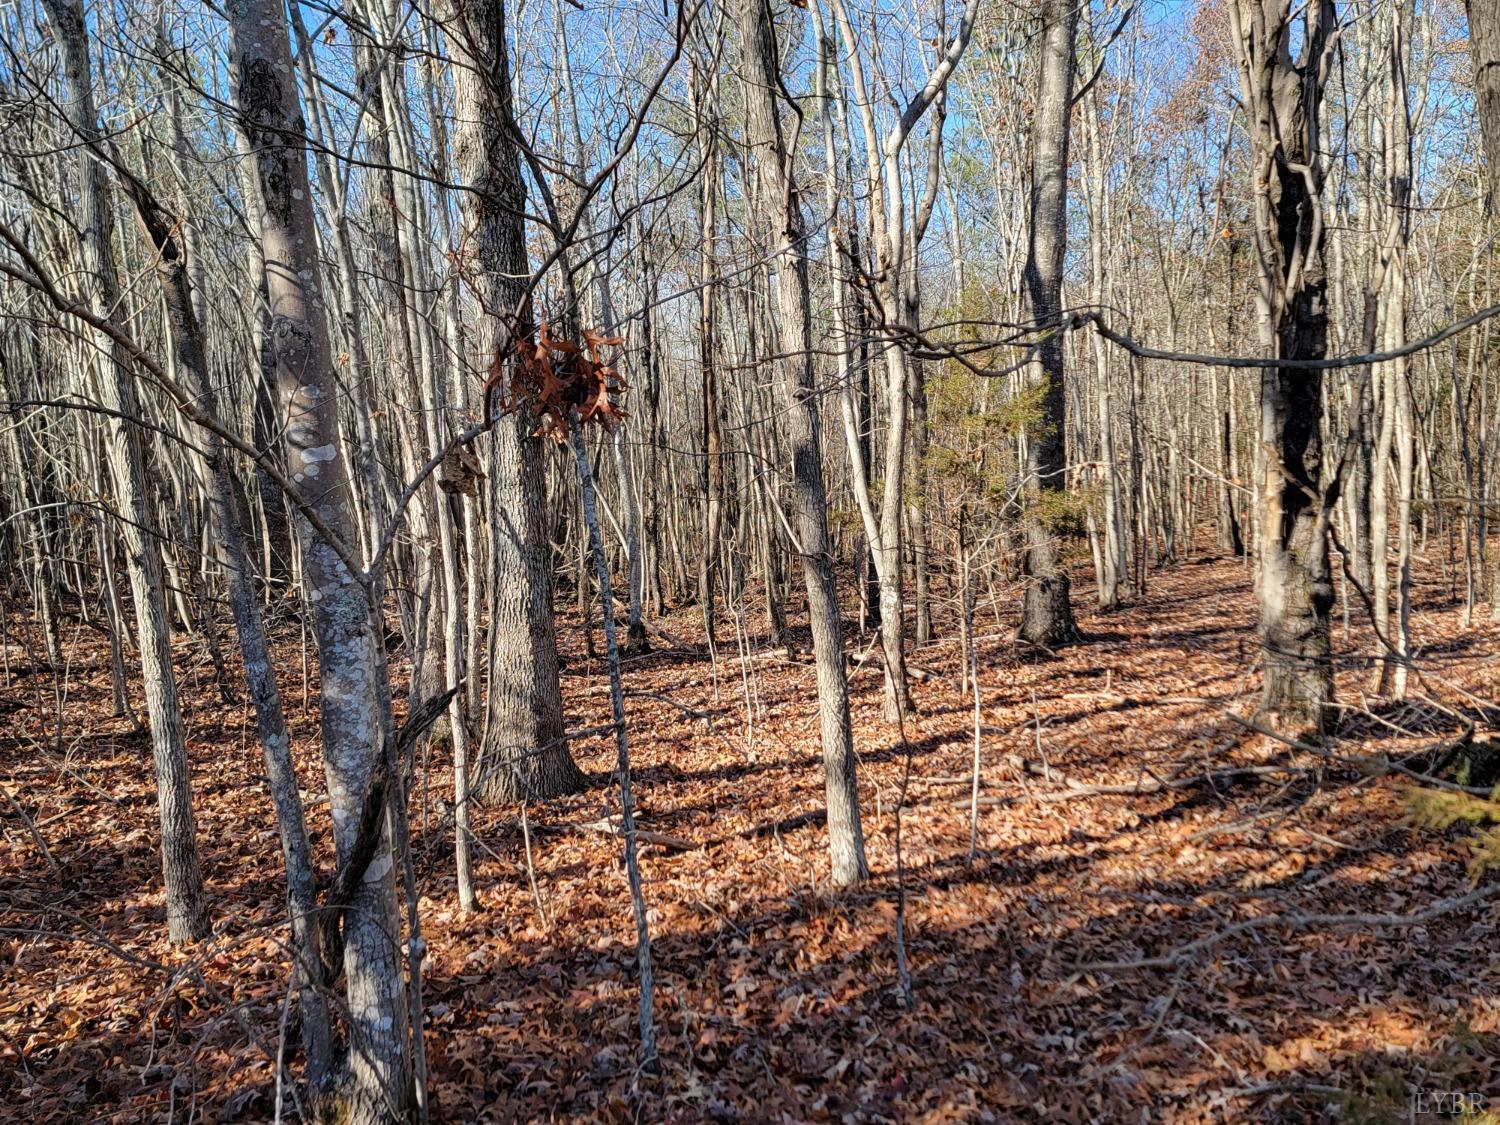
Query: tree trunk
pixel 1484 53
pixel 779 197
pixel 713 440
pixel 187 914
pixel 270 720
pixel 354 695
pixel 916 509
pixel 1111 551
pixel 524 756
pixel 1047 612
pixel 1283 103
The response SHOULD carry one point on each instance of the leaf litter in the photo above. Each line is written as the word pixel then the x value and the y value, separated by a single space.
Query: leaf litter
pixel 777 994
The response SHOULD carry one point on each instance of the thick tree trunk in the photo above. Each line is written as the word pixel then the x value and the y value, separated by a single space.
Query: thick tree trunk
pixel 1047 612
pixel 524 754
pixel 1484 53
pixel 779 197
pixel 1295 588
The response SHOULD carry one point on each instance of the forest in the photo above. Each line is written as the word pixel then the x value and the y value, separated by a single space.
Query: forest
pixel 749 561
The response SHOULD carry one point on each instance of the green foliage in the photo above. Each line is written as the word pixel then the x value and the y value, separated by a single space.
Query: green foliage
pixel 977 309
pixel 845 520
pixel 974 422
pixel 1065 514
pixel 967 448
pixel 1023 410
pixel 1440 809
pixel 1386 1102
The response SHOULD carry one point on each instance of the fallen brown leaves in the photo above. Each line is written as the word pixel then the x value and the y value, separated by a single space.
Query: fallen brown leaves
pixel 777 996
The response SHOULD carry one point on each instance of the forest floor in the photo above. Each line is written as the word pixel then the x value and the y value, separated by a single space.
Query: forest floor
pixel 777 996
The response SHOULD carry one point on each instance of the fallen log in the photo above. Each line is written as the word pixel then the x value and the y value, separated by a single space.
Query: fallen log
pixel 645 836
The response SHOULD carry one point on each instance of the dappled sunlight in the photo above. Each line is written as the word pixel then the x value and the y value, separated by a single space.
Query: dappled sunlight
pixel 777 994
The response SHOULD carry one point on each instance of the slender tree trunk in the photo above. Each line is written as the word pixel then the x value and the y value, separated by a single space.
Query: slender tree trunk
pixel 646 1019
pixel 713 440
pixel 917 506
pixel 187 913
pixel 270 720
pixel 1230 541
pixel 635 628
pixel 1400 638
pixel 773 158
pixel 1112 551
pixel 354 695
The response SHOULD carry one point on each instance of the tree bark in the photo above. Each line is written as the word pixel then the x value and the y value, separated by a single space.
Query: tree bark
pixel 1283 100
pixel 1047 611
pixel 1484 53
pixel 188 346
pixel 377 1087
pixel 524 754
pixel 187 913
pixel 713 440
pixel 772 158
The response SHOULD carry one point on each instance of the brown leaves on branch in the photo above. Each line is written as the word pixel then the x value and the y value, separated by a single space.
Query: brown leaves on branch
pixel 556 377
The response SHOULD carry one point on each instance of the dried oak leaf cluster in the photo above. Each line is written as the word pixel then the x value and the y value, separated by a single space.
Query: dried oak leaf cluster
pixel 556 376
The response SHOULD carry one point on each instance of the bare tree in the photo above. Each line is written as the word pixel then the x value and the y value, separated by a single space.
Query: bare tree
pixel 191 352
pixel 187 914
pixel 1047 614
pixel 892 241
pixel 355 705
pixel 772 154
